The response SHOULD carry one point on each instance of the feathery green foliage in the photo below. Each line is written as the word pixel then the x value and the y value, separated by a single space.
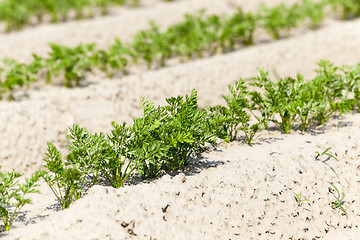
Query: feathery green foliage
pixel 292 99
pixel 165 138
pixel 12 194
pixel 73 63
pixel 67 181
pixel 235 116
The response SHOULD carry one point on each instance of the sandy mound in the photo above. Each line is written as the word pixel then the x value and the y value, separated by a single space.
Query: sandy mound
pixel 232 192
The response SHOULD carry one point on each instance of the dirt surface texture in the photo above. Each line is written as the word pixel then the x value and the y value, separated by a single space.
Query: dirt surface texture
pixel 234 191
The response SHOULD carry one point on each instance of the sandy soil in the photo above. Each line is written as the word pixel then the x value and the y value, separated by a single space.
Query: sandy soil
pixel 232 192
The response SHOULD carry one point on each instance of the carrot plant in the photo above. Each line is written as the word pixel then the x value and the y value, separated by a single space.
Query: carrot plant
pixel 68 182
pixel 73 63
pixel 187 132
pixel 352 83
pixel 15 16
pixel 329 87
pixel 87 151
pixel 101 156
pixel 348 8
pixel 278 99
pixel 279 19
pixel 333 90
pixel 306 106
pixel 144 45
pixel 239 28
pixel 15 74
pixel 119 168
pixel 13 194
pixel 313 11
pixel 166 138
pixel 235 116
pixel 93 158
pixel 195 35
pixel 113 60
pixel 147 147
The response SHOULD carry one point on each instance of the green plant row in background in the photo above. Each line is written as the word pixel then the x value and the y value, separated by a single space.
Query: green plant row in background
pixel 167 138
pixel 18 13
pixel 194 37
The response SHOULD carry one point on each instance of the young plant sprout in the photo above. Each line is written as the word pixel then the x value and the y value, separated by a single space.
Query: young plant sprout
pixel 338 201
pixel 326 152
pixel 299 199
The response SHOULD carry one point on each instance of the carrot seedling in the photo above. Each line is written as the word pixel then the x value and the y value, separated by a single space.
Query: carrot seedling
pixel 326 152
pixel 299 199
pixel 338 201
pixel 12 195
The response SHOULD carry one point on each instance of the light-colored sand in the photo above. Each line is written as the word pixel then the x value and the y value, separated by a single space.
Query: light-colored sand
pixel 229 193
